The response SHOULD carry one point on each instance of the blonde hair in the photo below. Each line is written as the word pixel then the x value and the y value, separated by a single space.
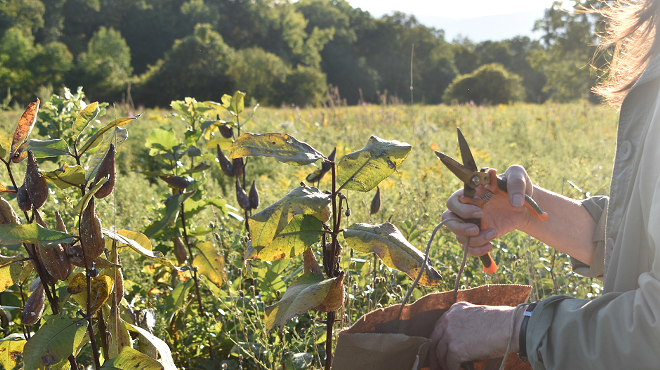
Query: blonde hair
pixel 631 31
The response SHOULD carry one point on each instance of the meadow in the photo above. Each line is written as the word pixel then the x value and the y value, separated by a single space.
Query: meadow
pixel 567 148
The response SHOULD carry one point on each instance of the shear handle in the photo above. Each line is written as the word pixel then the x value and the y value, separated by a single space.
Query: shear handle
pixel 500 183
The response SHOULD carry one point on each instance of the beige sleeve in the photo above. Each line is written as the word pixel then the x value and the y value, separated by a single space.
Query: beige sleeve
pixel 597 208
pixel 619 330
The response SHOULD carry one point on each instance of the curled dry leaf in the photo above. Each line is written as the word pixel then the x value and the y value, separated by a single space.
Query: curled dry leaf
pixel 106 169
pixel 7 214
pixel 25 125
pixel 242 197
pixel 335 298
pixel 254 195
pixel 35 183
pixel 34 306
pixel 23 198
pixel 225 164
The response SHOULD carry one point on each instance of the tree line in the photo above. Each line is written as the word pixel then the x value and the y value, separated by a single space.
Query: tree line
pixel 280 52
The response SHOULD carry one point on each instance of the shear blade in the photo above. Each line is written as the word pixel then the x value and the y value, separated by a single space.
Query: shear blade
pixel 466 154
pixel 463 173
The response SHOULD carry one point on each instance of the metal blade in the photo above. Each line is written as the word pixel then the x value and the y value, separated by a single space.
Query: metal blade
pixel 466 154
pixel 462 172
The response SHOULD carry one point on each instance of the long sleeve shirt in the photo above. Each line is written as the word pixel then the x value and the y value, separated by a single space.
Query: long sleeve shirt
pixel 621 328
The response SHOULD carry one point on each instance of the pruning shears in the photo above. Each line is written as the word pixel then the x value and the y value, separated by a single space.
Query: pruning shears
pixel 472 179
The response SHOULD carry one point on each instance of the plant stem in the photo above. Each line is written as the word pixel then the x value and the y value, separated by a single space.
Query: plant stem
pixel 88 313
pixel 194 272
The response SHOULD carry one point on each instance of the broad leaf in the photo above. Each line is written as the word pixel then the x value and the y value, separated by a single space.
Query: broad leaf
pixel 161 140
pixel 25 125
pixel 47 148
pixel 176 300
pixel 142 248
pixel 85 117
pixel 57 338
pixel 163 349
pixel 210 263
pixel 199 168
pixel 307 292
pixel 95 139
pixel 365 169
pixel 12 271
pixel 271 221
pixel 11 350
pixel 300 234
pixel 117 138
pixel 101 287
pixel 3 151
pixel 394 250
pixel 66 176
pixel 283 147
pixel 132 359
pixel 224 143
pixel 172 208
pixel 120 338
pixel 11 234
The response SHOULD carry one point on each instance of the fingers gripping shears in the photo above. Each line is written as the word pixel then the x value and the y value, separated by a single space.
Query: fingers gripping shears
pixel 472 179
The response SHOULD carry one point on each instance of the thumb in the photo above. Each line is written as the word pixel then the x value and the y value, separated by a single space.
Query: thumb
pixel 517 181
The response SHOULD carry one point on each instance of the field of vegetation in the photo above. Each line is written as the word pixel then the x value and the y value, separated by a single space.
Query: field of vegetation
pixel 567 148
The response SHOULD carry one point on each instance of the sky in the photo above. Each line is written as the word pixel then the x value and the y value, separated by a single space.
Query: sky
pixel 479 20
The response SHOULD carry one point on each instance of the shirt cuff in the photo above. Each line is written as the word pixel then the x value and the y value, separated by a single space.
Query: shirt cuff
pixel 597 208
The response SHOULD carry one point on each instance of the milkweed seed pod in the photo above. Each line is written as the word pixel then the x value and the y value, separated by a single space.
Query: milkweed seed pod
pixel 225 164
pixel 23 199
pixel 35 183
pixel 226 131
pixel 55 261
pixel 177 182
pixel 34 306
pixel 7 214
pixel 254 196
pixel 242 197
pixel 91 235
pixel 238 166
pixel 106 169
pixel 375 203
pixel 327 166
pixel 180 250
pixel 347 213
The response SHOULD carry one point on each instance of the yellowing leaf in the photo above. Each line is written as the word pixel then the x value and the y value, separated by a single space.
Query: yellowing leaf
pixel 12 271
pixel 25 125
pixel 307 292
pixel 210 263
pixel 271 221
pixel 11 350
pixel 57 338
pixel 300 234
pixel 85 117
pixel 132 359
pixel 96 138
pixel 224 143
pixel 164 351
pixel 143 247
pixel 283 147
pixel 66 176
pixel 365 169
pixel 394 250
pixel 101 287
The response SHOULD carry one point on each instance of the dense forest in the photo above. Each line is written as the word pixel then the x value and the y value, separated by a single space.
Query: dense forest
pixel 280 52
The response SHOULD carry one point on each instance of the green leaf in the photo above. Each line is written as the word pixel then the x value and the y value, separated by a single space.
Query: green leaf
pixel 11 350
pixel 365 169
pixel 283 147
pixel 172 208
pixel 47 148
pixel 176 300
pixel 237 103
pixel 160 141
pixel 210 263
pixel 82 203
pixel 132 359
pixel 85 117
pixel 164 351
pixel 3 151
pixel 12 271
pixel 56 340
pixel 199 168
pixel 300 234
pixel 143 248
pixel 224 143
pixel 226 100
pixel 11 234
pixel 271 221
pixel 95 139
pixel 307 292
pixel 117 138
pixel 394 250
pixel 66 176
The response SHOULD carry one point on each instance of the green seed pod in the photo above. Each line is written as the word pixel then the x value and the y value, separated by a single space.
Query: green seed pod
pixel 242 197
pixel 106 169
pixel 225 164
pixel 7 214
pixel 327 166
pixel 34 306
pixel 254 196
pixel 35 183
pixel 227 131
pixel 23 198
pixel 375 203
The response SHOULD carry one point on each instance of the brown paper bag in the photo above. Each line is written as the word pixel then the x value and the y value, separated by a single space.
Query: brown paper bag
pixel 379 341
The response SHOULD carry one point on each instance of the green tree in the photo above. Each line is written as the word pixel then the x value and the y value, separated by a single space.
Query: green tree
pixel 489 84
pixel 259 73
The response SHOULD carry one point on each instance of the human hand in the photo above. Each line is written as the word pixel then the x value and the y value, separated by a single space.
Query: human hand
pixel 500 214
pixel 468 332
